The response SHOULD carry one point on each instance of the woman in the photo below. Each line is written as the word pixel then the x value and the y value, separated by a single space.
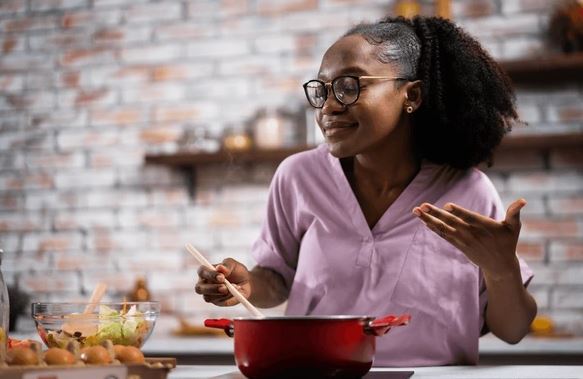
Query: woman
pixel 391 215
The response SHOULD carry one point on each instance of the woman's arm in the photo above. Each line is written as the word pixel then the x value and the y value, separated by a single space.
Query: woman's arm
pixel 267 288
pixel 510 308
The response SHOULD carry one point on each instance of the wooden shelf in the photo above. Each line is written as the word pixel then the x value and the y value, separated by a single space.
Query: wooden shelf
pixel 543 141
pixel 192 159
pixel 550 70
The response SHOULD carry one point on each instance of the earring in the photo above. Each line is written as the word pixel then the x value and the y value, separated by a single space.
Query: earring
pixel 409 109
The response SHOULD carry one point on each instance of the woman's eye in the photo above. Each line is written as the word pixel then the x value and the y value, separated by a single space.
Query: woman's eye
pixel 350 89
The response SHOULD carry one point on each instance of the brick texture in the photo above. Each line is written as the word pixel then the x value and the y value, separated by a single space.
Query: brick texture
pixel 87 87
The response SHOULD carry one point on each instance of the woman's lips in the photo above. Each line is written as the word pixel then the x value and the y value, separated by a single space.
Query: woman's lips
pixel 338 129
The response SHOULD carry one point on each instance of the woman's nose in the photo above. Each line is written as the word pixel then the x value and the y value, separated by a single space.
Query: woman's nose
pixel 332 105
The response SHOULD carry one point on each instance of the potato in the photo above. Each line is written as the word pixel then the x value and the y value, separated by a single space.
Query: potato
pixel 128 354
pixel 57 356
pixel 117 349
pixel 22 356
pixel 96 355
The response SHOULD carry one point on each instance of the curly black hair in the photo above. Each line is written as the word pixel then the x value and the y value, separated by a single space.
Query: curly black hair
pixel 468 101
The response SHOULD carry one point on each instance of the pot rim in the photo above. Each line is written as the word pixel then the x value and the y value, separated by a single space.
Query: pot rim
pixel 305 318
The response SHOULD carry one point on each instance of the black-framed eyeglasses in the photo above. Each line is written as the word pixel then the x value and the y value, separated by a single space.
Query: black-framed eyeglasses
pixel 346 89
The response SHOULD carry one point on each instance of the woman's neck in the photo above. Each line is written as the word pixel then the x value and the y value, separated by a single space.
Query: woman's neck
pixel 378 178
pixel 385 180
pixel 388 166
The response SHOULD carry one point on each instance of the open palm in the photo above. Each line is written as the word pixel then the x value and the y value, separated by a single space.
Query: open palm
pixel 488 243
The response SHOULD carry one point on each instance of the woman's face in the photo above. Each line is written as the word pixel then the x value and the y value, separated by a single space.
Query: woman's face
pixel 369 122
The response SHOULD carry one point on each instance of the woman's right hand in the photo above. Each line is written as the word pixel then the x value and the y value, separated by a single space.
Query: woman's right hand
pixel 211 283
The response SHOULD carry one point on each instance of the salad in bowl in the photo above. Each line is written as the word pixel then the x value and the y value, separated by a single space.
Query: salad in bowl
pixel 124 323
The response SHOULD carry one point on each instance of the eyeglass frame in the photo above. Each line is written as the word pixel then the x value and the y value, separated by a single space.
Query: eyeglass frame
pixel 331 84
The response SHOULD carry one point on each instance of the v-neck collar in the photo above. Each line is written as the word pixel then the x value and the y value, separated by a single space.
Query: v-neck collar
pixel 402 205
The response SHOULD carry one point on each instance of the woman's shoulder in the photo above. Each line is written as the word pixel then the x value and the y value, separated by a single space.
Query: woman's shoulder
pixel 471 188
pixel 304 162
pixel 477 180
pixel 471 179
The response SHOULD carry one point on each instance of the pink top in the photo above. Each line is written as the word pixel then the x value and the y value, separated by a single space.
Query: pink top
pixel 315 235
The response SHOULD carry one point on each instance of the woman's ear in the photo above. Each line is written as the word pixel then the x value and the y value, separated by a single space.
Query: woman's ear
pixel 413 96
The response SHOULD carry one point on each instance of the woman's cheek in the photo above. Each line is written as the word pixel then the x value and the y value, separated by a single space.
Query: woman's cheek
pixel 318 118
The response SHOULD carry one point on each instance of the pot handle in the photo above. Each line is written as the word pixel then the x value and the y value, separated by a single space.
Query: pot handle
pixel 221 323
pixel 381 326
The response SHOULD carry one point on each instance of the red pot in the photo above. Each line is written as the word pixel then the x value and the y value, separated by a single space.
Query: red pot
pixel 301 347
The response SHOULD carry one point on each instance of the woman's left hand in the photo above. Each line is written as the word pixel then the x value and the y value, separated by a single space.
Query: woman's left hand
pixel 488 243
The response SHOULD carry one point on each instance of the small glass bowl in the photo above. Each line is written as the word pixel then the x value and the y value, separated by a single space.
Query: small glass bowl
pixel 124 323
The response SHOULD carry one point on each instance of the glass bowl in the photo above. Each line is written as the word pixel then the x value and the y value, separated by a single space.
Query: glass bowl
pixel 124 323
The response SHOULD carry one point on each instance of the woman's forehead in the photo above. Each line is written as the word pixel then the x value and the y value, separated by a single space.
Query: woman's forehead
pixel 352 55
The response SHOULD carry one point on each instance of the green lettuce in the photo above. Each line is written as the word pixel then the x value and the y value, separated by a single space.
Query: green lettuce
pixel 122 328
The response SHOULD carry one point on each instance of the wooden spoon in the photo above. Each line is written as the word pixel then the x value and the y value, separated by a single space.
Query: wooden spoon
pixel 80 324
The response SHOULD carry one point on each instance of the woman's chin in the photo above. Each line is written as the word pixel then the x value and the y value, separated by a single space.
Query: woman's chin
pixel 339 150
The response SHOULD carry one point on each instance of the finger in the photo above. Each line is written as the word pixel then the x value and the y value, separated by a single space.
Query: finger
pixel 233 270
pixel 227 299
pixel 209 275
pixel 211 289
pixel 468 216
pixel 434 223
pixel 441 229
pixel 443 215
pixel 227 302
pixel 226 266
pixel 218 300
pixel 214 297
pixel 513 213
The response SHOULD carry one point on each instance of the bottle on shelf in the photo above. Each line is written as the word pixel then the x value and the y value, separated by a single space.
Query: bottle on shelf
pixel 443 8
pixel 140 291
pixel 407 8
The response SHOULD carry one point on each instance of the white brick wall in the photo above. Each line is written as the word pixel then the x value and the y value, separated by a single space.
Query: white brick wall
pixel 88 87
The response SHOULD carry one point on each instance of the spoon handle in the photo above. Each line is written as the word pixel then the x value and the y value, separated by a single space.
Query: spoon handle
pixel 96 296
pixel 202 260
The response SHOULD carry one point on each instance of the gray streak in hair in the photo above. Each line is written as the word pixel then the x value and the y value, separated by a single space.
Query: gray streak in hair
pixel 397 44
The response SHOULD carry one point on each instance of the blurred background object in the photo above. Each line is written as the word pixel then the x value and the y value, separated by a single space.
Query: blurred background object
pixel 407 8
pixel 566 26
pixel 196 138
pixel 279 127
pixel 542 326
pixel 19 306
pixel 5 323
pixel 237 139
pixel 443 8
pixel 140 291
pixel 91 88
pixel 269 130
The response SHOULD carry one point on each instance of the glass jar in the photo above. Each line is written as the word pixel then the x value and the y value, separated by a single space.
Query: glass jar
pixel 4 306
pixel 236 139
pixel 269 130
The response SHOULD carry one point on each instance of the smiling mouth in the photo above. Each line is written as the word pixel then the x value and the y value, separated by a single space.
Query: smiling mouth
pixel 337 129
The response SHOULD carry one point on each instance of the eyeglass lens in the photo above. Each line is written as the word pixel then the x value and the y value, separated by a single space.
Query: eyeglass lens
pixel 345 89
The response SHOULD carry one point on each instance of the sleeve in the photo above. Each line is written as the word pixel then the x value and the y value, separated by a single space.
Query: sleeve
pixel 498 212
pixel 279 240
